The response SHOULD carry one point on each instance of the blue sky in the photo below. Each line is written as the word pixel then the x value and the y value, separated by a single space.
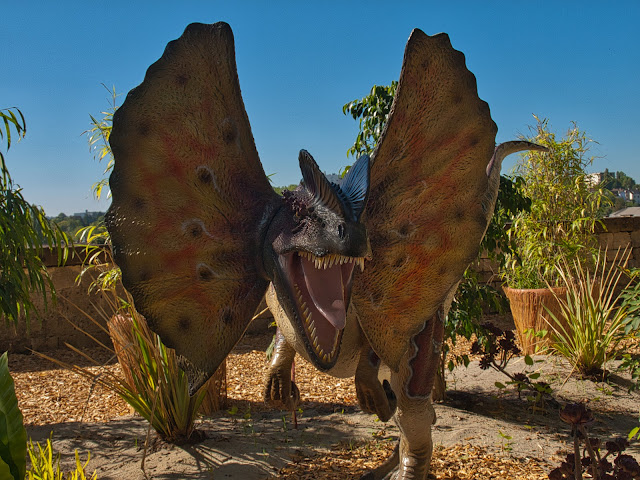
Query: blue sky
pixel 299 62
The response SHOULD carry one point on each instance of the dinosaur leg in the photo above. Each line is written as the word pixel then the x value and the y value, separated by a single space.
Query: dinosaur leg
pixel 415 415
pixel 414 383
pixel 279 390
pixel 373 396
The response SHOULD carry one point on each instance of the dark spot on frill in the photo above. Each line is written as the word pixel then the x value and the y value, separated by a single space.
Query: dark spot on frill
pixel 226 316
pixel 399 262
pixel 184 323
pixel 204 175
pixel 195 230
pixel 139 203
pixel 204 273
pixel 181 79
pixel 405 230
pixel 229 132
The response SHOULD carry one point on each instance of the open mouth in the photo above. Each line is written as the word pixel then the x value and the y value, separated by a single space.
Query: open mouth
pixel 322 288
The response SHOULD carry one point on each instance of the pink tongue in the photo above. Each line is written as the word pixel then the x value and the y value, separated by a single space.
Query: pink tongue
pixel 326 290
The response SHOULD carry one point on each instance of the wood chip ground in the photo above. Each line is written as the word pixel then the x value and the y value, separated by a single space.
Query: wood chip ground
pixel 49 395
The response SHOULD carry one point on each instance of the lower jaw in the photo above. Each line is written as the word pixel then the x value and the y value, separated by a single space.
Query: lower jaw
pixel 320 361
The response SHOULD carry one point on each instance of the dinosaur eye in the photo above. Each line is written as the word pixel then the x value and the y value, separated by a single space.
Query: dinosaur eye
pixel 341 230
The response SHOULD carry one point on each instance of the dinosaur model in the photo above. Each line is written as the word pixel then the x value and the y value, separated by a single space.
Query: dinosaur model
pixel 358 275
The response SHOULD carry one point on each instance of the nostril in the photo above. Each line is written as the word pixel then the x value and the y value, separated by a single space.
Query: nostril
pixel 341 230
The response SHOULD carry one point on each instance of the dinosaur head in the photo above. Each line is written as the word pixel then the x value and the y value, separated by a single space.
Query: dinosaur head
pixel 313 246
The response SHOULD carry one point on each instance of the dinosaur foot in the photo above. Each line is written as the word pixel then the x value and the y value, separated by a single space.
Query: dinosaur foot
pixel 377 398
pixel 390 469
pixel 280 392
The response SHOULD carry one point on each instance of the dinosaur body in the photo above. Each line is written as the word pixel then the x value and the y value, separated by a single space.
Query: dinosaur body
pixel 358 275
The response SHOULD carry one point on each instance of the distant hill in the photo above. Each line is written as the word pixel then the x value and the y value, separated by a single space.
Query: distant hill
pixel 70 224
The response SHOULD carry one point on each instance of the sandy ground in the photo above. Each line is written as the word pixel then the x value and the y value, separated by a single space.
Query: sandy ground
pixel 258 443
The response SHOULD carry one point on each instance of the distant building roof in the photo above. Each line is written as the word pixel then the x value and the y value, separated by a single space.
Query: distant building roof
pixel 627 212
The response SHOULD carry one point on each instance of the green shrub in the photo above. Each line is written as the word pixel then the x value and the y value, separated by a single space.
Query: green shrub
pixel 564 211
pixel 631 299
pixel 24 229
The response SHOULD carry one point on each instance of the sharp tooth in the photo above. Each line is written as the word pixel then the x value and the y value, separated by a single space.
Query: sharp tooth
pixel 315 343
pixel 325 357
pixel 313 332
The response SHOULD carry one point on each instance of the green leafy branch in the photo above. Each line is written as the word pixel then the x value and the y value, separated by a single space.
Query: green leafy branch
pixel 24 231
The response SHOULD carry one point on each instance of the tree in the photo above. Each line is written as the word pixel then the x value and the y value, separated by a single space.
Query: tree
pixel 73 225
pixel 24 231
pixel 372 112
pixel 612 181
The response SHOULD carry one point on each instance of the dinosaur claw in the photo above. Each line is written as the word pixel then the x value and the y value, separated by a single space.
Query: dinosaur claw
pixel 281 393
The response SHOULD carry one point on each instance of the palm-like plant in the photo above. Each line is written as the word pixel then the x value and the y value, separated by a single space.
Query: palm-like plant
pixel 592 320
pixel 98 138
